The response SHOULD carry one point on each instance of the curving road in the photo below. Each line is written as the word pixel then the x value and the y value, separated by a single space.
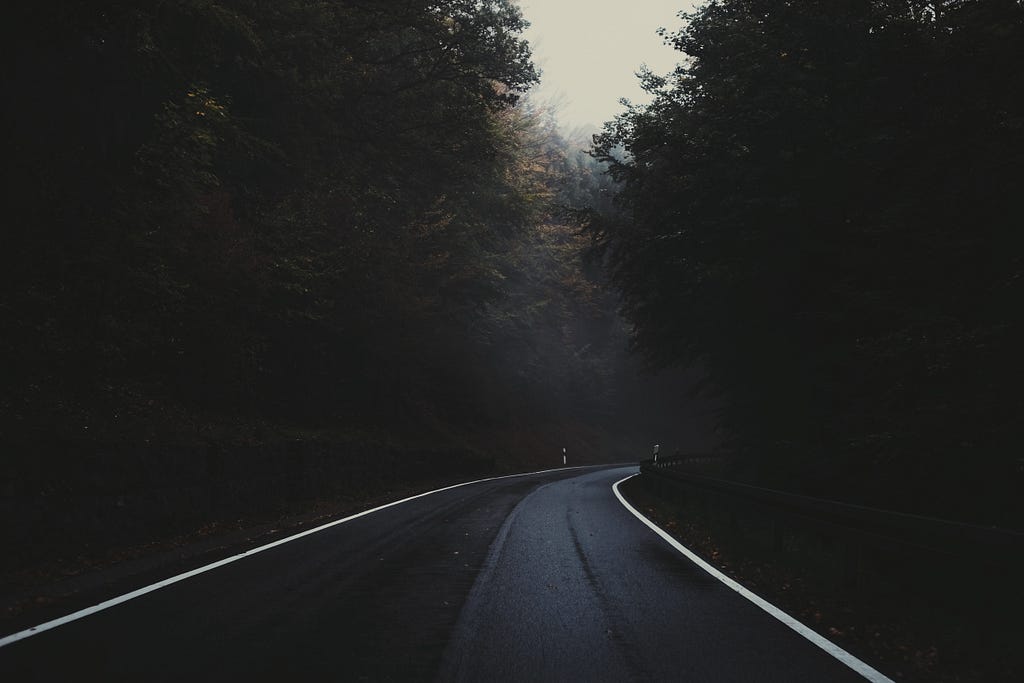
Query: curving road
pixel 541 577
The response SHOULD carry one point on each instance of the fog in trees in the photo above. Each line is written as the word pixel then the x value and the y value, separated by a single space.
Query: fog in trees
pixel 257 254
pixel 822 212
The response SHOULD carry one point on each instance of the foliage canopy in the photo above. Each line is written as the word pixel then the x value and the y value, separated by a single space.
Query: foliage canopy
pixel 823 211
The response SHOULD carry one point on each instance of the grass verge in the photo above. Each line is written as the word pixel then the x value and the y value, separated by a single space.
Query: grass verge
pixel 908 637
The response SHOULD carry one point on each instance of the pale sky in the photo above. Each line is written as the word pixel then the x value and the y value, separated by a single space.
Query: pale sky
pixel 589 51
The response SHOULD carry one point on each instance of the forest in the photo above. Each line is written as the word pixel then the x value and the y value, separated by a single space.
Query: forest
pixel 262 253
pixel 824 204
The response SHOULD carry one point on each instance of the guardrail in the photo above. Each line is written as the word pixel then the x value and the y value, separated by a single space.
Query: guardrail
pixel 929 598
pixel 870 525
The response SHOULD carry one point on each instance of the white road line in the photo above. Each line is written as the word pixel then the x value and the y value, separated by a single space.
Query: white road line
pixel 825 644
pixel 113 602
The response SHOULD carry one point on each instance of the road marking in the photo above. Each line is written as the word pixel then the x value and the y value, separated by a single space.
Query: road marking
pixel 113 602
pixel 813 636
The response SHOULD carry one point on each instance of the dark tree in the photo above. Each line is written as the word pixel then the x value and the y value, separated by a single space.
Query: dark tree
pixel 822 211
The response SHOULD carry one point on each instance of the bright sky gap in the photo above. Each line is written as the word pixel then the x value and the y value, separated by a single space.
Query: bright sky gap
pixel 590 50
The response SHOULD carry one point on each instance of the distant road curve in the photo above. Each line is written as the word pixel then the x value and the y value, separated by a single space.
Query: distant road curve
pixel 537 577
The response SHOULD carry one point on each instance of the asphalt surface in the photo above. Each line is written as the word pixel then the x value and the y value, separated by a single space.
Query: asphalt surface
pixel 543 577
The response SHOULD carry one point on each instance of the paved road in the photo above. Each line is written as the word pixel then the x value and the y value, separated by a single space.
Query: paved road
pixel 542 577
